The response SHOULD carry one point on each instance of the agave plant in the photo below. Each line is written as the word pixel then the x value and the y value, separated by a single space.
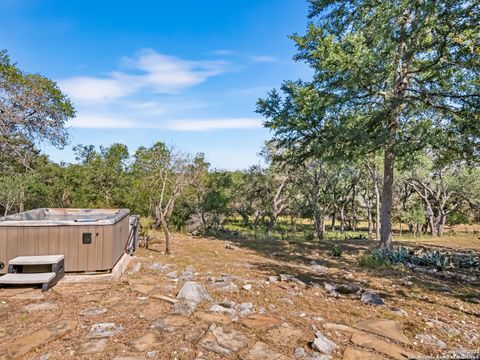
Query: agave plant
pixel 442 262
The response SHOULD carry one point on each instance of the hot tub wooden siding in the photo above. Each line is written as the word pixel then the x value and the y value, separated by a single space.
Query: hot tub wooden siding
pixel 108 244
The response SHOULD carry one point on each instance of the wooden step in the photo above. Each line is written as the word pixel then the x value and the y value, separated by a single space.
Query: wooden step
pixel 27 278
pixel 36 260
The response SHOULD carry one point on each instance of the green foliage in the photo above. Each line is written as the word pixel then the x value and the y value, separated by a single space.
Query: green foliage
pixel 396 77
pixel 372 262
pixel 33 109
pixel 336 251
pixel 436 259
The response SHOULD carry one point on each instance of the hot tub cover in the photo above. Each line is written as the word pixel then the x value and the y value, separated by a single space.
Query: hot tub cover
pixel 63 216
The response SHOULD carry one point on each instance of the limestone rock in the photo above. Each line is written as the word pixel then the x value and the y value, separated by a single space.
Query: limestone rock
pixel 371 342
pixel 28 342
pixel 258 321
pixel 261 351
pixel 301 354
pixel 145 342
pixel 193 292
pixel 224 342
pixel 185 308
pixel 169 323
pixel 322 344
pixel 226 287
pixel 172 275
pixel 102 330
pixel 371 298
pixel 159 267
pixel 430 340
pixel 388 328
pixel 92 347
pixel 45 306
pixel 245 309
pixel 398 311
pixel 218 308
pixel 283 335
pixel 339 327
pixel 93 311
pixel 216 318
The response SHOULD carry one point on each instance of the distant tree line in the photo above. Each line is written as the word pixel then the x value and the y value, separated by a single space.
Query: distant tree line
pixel 182 191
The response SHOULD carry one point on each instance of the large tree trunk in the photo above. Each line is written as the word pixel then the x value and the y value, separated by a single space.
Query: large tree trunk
pixel 375 179
pixel 342 217
pixel 387 199
pixel 319 226
pixel 333 221
pixel 369 217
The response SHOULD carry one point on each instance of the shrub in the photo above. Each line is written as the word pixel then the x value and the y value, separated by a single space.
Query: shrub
pixel 372 262
pixel 336 251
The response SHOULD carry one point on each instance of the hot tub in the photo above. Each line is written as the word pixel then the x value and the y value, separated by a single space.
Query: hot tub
pixel 90 239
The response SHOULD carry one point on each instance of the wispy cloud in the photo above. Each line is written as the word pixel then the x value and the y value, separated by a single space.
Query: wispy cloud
pixel 223 52
pixel 148 70
pixel 93 121
pixel 264 59
pixel 214 124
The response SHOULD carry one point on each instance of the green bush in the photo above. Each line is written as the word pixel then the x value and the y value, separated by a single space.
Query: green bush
pixel 373 262
pixel 336 251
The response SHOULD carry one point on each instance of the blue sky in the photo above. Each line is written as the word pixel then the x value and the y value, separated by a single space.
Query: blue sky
pixel 184 72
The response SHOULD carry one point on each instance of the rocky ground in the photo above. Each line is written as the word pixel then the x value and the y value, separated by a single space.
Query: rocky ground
pixel 236 299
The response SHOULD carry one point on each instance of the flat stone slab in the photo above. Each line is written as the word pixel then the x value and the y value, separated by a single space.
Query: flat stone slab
pixel 258 321
pixel 145 342
pixel 103 330
pixel 339 327
pixel 388 328
pixel 216 318
pixel 92 347
pixel 283 335
pixel 93 311
pixel 170 323
pixel 223 341
pixel 261 351
pixel 45 306
pixel 372 342
pixel 26 343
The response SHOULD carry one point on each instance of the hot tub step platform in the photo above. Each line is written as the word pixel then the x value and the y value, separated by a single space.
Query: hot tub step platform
pixel 46 279
pixel 24 270
pixel 36 260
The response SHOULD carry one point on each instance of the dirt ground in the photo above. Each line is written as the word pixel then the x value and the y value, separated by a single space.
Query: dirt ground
pixel 285 315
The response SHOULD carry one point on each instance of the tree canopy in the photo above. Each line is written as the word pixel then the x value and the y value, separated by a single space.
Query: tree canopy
pixel 391 76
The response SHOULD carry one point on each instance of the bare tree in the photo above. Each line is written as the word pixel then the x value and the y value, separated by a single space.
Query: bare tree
pixel 163 173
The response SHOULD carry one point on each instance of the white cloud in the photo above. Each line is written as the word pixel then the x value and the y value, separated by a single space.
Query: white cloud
pixel 101 122
pixel 264 59
pixel 223 52
pixel 84 88
pixel 214 124
pixel 92 121
pixel 148 70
